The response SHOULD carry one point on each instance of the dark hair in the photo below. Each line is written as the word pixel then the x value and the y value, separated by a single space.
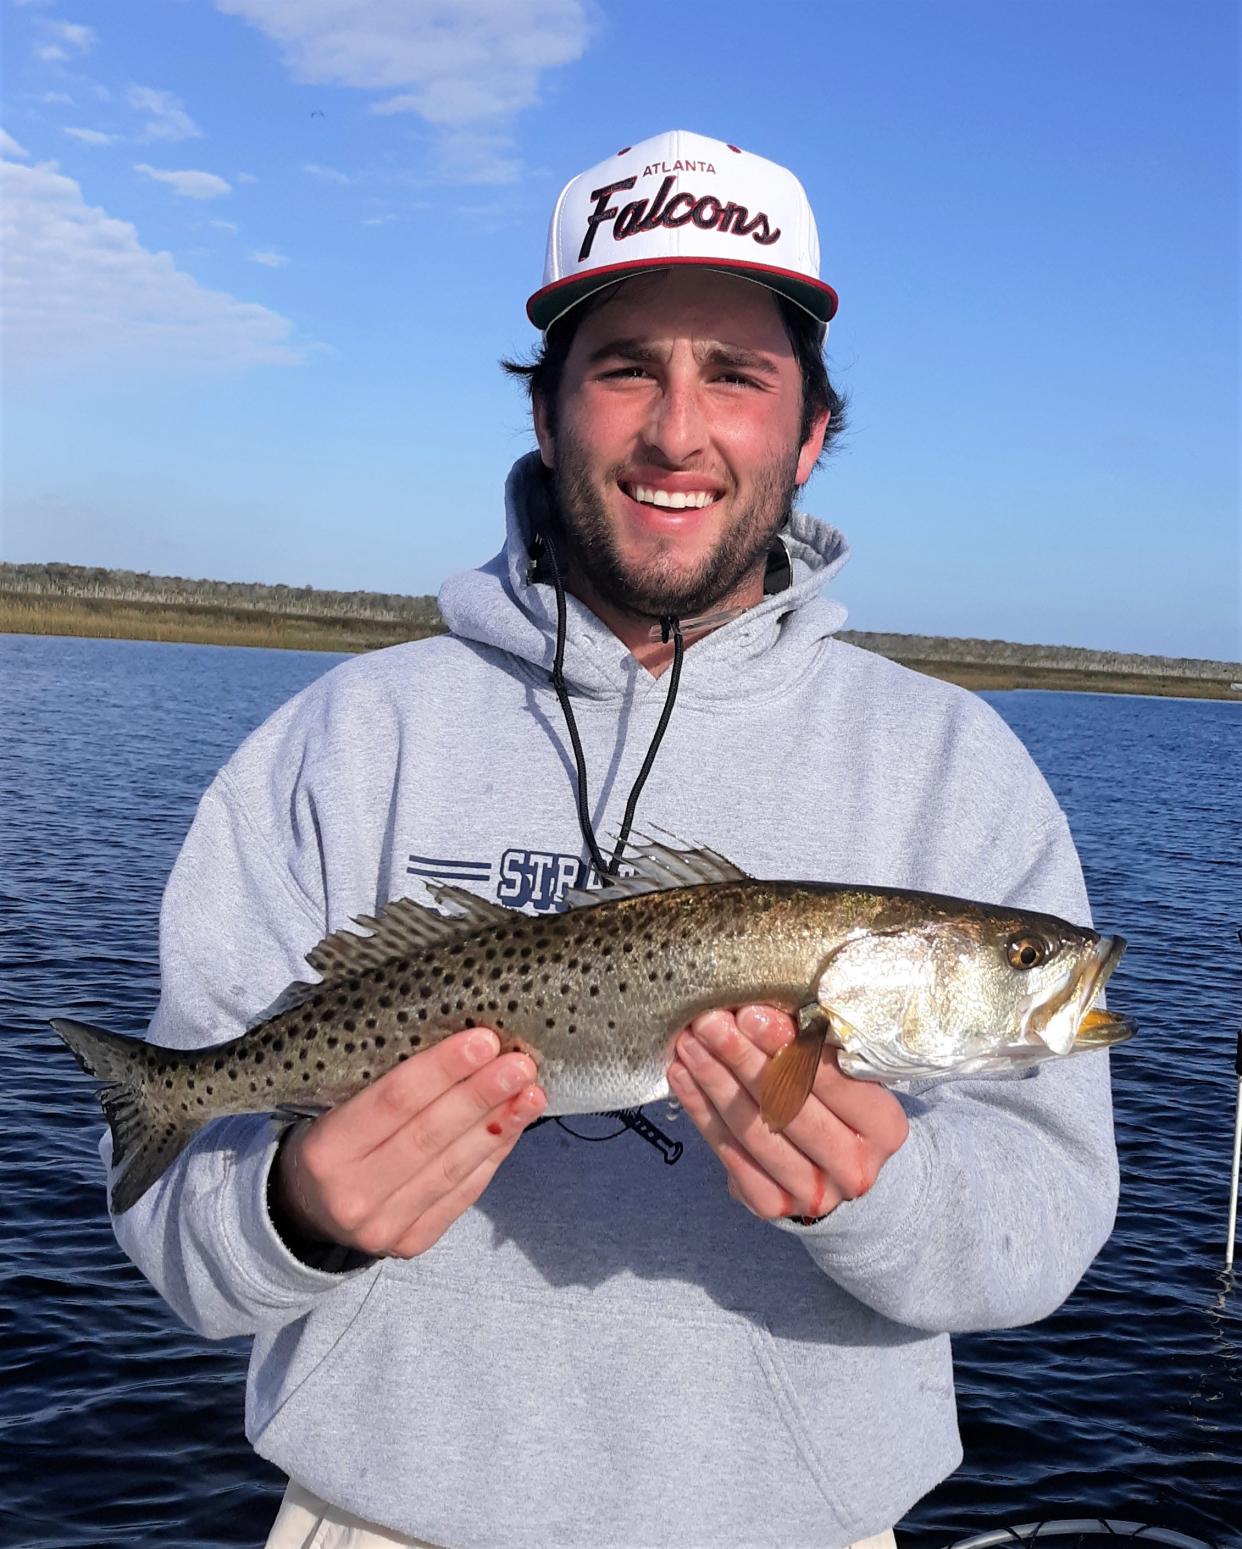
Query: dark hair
pixel 543 371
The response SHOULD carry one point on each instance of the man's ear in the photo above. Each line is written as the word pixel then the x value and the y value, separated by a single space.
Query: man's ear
pixel 543 430
pixel 812 447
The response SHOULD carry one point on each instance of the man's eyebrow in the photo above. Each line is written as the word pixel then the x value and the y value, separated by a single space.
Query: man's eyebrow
pixel 628 349
pixel 729 356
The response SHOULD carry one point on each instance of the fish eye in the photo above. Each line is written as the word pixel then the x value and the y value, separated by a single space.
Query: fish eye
pixel 1026 951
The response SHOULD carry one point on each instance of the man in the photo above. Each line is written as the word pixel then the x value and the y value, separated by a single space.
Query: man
pixel 474 1330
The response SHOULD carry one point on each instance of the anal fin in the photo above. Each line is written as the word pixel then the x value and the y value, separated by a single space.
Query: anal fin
pixel 788 1080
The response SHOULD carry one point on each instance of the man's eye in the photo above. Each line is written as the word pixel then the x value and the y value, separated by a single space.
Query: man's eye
pixel 625 372
pixel 736 376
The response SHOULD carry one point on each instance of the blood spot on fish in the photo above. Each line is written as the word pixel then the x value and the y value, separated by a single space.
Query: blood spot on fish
pixel 493 1128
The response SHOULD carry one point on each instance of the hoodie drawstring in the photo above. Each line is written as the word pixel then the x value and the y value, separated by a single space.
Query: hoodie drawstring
pixel 669 626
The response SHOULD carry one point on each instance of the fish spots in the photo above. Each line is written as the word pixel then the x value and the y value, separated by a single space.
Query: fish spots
pixel 319 1065
pixel 333 1041
pixel 371 1023
pixel 350 1025
pixel 403 1017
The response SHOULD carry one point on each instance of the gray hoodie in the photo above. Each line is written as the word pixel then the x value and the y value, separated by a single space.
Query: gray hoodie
pixel 607 1350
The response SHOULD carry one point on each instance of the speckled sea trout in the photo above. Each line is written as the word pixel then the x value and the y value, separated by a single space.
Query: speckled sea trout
pixel 905 985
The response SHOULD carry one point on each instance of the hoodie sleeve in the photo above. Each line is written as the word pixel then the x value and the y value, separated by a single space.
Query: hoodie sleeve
pixel 1005 1189
pixel 234 927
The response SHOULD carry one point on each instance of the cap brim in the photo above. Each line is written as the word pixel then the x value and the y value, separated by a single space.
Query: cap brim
pixel 553 301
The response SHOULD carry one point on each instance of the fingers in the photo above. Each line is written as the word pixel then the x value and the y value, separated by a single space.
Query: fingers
pixel 371 1116
pixel 417 1214
pixel 834 1148
pixel 389 1170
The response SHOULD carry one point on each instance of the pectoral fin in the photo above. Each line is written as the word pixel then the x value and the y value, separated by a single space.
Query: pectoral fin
pixel 788 1080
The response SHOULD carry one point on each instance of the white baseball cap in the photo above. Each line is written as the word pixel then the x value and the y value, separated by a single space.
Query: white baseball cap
pixel 682 198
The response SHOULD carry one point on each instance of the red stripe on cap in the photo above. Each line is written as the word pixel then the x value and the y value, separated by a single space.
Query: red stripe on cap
pixel 608 272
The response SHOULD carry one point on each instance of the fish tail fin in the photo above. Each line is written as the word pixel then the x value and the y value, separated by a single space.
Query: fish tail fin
pixel 147 1136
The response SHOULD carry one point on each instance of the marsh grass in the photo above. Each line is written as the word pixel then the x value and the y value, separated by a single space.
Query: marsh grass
pixel 197 624
pixel 193 623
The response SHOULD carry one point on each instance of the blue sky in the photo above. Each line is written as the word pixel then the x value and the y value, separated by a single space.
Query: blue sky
pixel 263 256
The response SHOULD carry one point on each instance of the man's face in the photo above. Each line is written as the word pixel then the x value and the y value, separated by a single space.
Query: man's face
pixel 677 444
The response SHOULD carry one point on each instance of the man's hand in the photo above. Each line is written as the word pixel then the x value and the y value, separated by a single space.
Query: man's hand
pixel 832 1151
pixel 389 1171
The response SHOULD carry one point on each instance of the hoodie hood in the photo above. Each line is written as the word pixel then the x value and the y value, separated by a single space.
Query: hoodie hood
pixel 498 605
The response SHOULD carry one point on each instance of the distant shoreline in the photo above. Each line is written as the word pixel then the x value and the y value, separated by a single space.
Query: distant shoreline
pixel 72 600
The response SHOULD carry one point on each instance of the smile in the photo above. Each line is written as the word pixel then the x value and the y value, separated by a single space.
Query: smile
pixel 674 500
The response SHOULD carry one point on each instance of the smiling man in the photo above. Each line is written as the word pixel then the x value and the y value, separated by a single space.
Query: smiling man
pixel 668 1327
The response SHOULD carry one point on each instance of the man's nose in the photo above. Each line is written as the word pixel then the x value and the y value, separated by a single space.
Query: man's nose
pixel 676 427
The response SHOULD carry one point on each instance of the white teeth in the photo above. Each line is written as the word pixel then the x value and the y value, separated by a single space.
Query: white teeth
pixel 676 500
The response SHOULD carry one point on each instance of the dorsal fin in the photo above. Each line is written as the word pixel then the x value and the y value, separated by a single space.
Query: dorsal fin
pixel 469 906
pixel 401 928
pixel 656 866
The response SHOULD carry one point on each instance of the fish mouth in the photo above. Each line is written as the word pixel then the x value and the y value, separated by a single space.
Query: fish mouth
pixel 1065 1020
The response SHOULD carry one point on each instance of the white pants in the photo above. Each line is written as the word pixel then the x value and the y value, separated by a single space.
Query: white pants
pixel 306 1522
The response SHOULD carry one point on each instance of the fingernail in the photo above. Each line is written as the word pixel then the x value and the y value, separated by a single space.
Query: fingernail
pixel 530 1105
pixel 482 1046
pixel 691 1050
pixel 754 1019
pixel 513 1077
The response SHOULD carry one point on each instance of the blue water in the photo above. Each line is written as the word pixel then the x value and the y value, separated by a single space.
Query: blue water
pixel 122 1428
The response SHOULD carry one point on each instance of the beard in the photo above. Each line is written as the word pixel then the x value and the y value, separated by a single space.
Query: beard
pixel 654 586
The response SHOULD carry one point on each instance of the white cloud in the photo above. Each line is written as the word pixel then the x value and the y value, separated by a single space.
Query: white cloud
pixel 190 185
pixel 269 259
pixel 10 147
pixel 230 226
pixel 168 121
pixel 92 136
pixel 457 65
pixel 379 220
pixel 246 177
pixel 54 98
pixel 325 174
pixel 82 292
pixel 73 35
pixel 51 54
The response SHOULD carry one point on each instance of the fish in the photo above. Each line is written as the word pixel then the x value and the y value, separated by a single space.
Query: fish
pixel 904 985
